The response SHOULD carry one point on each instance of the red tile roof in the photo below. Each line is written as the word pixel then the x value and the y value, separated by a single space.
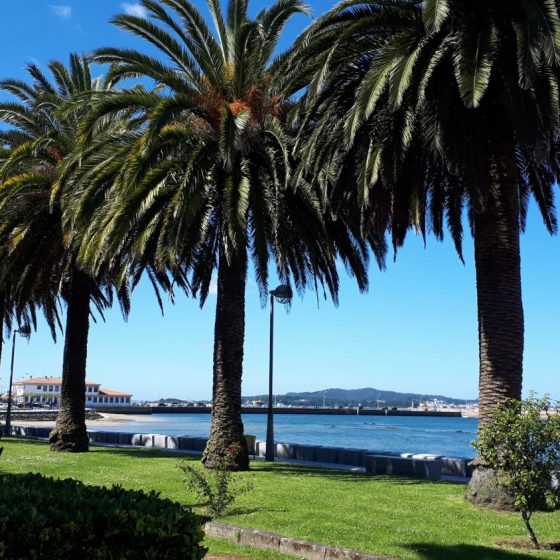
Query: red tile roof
pixel 46 380
pixel 111 393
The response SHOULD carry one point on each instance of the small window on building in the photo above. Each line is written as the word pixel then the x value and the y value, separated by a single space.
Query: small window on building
pixel 51 388
pixel 38 387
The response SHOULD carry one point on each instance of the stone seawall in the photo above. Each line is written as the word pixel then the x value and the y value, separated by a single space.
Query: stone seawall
pixel 248 410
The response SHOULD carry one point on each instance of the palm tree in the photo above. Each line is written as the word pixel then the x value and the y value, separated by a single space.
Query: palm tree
pixel 441 107
pixel 206 182
pixel 37 254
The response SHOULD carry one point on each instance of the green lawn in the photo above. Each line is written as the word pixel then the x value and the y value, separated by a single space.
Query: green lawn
pixel 396 517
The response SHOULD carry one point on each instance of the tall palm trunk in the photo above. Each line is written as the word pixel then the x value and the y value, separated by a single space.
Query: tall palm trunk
pixel 2 313
pixel 500 309
pixel 498 283
pixel 70 431
pixel 226 430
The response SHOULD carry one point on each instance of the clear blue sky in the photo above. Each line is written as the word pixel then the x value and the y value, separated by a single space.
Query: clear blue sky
pixel 415 330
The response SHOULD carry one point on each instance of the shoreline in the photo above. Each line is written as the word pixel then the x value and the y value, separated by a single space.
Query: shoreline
pixel 107 419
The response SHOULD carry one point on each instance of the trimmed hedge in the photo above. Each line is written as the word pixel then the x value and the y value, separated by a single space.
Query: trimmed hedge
pixel 43 517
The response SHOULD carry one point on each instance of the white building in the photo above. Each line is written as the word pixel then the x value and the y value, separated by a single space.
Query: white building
pixel 46 390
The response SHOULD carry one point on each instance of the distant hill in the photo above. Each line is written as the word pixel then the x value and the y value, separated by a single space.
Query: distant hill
pixel 352 397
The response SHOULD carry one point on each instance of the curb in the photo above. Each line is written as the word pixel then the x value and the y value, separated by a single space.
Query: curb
pixel 285 545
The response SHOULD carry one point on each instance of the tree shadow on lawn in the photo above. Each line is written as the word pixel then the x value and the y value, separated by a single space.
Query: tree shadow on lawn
pixel 429 551
pixel 343 474
pixel 145 452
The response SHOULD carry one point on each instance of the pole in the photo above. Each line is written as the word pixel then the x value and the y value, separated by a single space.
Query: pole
pixel 269 455
pixel 9 411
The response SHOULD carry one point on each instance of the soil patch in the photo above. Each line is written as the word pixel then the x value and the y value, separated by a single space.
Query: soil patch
pixel 527 544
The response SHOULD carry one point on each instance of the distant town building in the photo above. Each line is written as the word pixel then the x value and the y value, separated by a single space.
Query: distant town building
pixel 46 390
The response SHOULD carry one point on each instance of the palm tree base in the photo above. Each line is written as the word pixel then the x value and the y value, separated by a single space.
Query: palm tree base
pixel 484 490
pixel 235 448
pixel 69 439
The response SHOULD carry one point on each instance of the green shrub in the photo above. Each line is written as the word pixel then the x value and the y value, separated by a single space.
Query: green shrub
pixel 42 517
pixel 219 487
pixel 522 444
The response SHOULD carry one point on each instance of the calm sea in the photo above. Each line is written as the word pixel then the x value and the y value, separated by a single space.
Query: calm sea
pixel 440 436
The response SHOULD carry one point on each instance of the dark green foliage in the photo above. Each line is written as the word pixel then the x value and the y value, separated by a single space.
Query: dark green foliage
pixel 523 445
pixel 42 517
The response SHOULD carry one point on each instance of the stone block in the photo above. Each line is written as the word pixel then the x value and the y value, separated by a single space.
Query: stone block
pixel 92 437
pixel 185 443
pixel 259 539
pixel 260 448
pixel 427 468
pixel 147 440
pixel 251 440
pixel 301 548
pixel 306 452
pixel 403 466
pixel 172 442
pixel 327 454
pixel 42 432
pixel 106 437
pixel 199 443
pixel 113 437
pixel 352 457
pixel 125 438
pixel 456 466
pixel 137 439
pixel 160 441
pixel 284 450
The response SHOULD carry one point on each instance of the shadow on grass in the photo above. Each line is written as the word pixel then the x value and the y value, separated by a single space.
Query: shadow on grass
pixel 144 452
pixel 341 474
pixel 429 551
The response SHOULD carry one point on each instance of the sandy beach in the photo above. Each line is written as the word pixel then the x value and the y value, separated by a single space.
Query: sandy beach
pixel 107 420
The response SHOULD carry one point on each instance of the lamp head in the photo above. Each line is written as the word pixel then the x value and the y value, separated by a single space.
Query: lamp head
pixel 283 293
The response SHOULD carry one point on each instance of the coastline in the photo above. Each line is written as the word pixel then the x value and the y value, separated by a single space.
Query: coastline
pixel 106 420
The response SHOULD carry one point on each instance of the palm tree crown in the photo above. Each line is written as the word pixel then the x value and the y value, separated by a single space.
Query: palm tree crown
pixel 443 108
pixel 203 181
pixel 39 257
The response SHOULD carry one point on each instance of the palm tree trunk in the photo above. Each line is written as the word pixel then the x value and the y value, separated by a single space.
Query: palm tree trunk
pixel 70 432
pixel 498 284
pixel 500 309
pixel 2 313
pixel 227 444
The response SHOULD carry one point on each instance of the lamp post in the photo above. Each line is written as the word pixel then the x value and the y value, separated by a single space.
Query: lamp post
pixel 25 331
pixel 283 294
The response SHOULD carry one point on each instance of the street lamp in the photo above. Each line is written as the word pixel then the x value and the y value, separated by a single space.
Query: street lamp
pixel 25 331
pixel 283 294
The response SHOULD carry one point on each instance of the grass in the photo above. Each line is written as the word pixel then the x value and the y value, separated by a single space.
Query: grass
pixel 402 518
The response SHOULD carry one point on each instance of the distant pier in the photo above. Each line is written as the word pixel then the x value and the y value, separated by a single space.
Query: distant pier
pixel 283 410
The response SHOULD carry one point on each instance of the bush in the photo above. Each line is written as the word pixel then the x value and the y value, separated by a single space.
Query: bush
pixel 42 517
pixel 218 487
pixel 522 444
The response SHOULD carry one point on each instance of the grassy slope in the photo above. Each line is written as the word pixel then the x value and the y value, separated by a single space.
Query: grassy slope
pixel 394 517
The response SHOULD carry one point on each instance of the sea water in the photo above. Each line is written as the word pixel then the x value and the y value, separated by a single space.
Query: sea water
pixel 410 434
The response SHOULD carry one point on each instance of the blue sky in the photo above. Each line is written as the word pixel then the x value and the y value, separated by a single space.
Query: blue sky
pixel 415 330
